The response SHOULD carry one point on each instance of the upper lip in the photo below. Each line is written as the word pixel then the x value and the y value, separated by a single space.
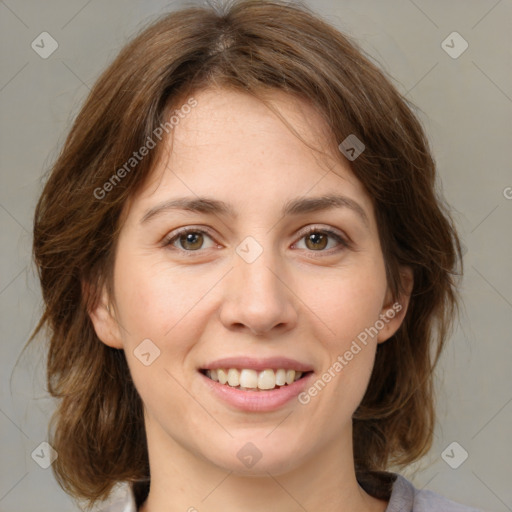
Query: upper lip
pixel 258 364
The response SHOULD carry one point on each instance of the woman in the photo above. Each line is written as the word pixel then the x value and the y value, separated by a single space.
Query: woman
pixel 247 273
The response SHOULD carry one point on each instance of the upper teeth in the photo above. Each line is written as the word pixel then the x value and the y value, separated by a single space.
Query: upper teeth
pixel 251 379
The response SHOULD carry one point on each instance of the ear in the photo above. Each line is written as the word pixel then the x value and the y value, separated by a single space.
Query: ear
pixel 393 312
pixel 103 317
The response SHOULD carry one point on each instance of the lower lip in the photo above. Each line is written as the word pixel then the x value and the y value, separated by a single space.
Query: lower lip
pixel 257 401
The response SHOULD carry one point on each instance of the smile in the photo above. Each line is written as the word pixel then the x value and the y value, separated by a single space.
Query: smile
pixel 251 380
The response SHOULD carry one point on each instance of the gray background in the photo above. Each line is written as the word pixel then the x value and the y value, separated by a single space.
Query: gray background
pixel 466 104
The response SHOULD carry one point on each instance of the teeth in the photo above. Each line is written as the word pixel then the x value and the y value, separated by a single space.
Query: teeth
pixel 267 379
pixel 233 378
pixel 252 380
pixel 248 378
pixel 280 377
pixel 221 374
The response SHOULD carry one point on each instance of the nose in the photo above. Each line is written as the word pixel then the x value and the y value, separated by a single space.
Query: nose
pixel 257 298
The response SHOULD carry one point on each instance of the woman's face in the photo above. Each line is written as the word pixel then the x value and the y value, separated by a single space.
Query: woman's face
pixel 249 284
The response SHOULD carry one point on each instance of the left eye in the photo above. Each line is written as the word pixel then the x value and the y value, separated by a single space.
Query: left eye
pixel 191 240
pixel 317 239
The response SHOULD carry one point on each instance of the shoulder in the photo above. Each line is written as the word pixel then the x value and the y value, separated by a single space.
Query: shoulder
pixel 406 498
pixel 122 499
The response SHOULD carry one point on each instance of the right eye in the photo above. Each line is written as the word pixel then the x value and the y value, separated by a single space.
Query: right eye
pixel 190 239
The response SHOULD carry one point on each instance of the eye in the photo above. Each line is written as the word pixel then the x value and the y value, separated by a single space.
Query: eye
pixel 317 239
pixel 189 239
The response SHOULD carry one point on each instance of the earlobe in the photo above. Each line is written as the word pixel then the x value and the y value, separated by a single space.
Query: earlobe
pixel 393 313
pixel 105 324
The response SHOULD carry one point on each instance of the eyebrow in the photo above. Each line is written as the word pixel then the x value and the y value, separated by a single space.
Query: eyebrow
pixel 294 207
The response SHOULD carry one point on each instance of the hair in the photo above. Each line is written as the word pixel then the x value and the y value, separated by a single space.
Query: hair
pixel 250 46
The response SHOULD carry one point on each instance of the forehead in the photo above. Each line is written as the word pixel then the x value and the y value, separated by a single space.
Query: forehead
pixel 234 125
pixel 231 146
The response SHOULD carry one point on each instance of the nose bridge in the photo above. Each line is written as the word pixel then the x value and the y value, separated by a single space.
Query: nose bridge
pixel 256 296
pixel 259 278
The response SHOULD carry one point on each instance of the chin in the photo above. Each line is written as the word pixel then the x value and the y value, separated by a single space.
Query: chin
pixel 256 455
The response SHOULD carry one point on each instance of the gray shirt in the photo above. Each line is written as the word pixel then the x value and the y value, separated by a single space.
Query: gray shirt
pixel 404 498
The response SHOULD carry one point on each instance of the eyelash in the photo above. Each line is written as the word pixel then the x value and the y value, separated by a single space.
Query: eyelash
pixel 170 239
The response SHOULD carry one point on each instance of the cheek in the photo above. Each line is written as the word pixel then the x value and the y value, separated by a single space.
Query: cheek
pixel 348 309
pixel 155 298
pixel 161 303
pixel 349 302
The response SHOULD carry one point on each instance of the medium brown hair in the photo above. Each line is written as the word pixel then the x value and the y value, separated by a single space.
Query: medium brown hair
pixel 98 427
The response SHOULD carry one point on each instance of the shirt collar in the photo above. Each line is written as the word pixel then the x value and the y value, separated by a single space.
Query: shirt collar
pixel 400 500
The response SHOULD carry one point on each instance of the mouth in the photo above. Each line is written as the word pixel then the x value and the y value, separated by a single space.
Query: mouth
pixel 247 379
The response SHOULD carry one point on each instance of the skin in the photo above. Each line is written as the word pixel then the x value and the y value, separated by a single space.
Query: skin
pixel 295 300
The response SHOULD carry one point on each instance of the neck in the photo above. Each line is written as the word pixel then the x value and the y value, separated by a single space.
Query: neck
pixel 182 481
